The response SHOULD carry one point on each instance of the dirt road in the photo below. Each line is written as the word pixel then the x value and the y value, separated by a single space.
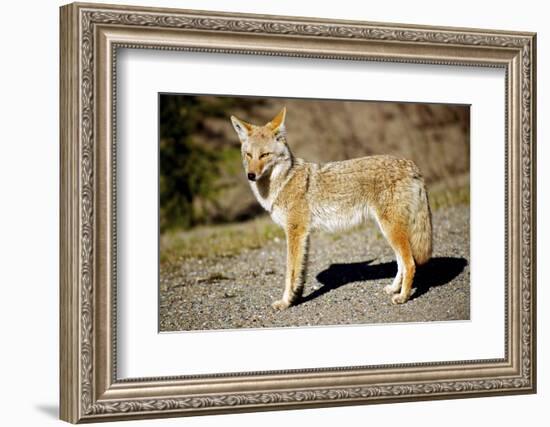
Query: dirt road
pixel 346 276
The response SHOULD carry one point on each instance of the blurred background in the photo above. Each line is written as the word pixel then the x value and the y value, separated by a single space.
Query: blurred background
pixel 201 176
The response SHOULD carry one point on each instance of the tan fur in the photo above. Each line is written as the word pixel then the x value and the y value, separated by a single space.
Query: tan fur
pixel 303 196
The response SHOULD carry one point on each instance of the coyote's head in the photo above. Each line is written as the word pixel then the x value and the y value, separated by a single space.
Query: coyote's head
pixel 262 147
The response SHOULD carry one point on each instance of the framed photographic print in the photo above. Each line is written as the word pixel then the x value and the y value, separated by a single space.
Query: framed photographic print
pixel 266 212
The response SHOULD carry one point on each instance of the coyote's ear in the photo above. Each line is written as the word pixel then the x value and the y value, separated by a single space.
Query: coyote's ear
pixel 277 125
pixel 242 128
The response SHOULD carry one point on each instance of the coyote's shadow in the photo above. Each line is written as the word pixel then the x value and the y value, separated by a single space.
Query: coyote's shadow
pixel 436 272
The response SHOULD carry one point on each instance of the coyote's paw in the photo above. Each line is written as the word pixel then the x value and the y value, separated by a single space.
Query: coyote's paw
pixel 280 304
pixel 399 299
pixel 390 289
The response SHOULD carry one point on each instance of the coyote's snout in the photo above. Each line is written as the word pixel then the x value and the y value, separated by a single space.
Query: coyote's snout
pixel 302 196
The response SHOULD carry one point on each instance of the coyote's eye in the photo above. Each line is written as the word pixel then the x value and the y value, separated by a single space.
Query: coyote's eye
pixel 249 155
pixel 264 155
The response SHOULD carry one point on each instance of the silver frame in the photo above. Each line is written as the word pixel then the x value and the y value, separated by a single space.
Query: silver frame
pixel 90 36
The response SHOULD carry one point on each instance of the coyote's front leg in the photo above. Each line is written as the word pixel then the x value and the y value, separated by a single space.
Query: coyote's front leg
pixel 297 236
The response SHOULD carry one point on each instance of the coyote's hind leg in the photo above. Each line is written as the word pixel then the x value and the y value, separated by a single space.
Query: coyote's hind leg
pixel 398 238
pixel 395 287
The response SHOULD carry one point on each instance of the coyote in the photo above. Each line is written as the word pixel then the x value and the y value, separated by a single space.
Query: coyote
pixel 302 196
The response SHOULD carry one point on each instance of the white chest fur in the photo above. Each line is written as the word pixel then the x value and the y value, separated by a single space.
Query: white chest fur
pixel 267 198
pixel 277 214
pixel 265 201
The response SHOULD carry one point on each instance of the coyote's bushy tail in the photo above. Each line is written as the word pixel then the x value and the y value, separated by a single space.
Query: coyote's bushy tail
pixel 421 227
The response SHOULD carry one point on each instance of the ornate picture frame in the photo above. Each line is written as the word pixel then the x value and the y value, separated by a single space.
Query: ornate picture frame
pixel 90 37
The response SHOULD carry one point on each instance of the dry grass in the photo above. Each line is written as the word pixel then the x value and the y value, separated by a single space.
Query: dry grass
pixel 218 240
pixel 453 192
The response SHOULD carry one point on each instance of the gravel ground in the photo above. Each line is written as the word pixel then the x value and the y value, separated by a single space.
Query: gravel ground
pixel 346 276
